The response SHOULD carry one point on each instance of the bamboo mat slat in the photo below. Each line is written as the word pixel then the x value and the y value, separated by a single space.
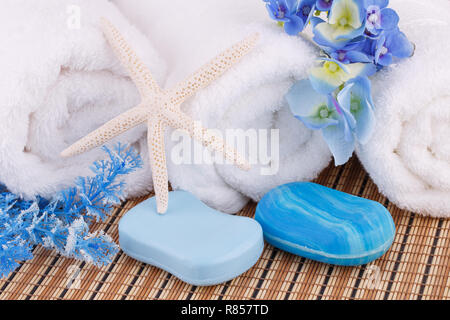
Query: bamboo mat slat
pixel 416 267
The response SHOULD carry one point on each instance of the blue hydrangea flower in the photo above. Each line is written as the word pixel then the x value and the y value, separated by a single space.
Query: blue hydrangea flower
pixel 350 56
pixel 391 45
pixel 285 11
pixel 332 74
pixel 359 38
pixel 379 17
pixel 343 120
pixel 305 11
pixel 345 23
pixel 315 110
pixel 322 112
pixel 356 100
pixel 324 5
pixel 351 53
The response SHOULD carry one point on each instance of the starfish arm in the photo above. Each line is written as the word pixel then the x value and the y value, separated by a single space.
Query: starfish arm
pixel 158 164
pixel 212 70
pixel 139 73
pixel 213 142
pixel 109 130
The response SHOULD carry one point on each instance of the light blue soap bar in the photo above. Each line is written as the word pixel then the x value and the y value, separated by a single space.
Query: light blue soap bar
pixel 197 244
pixel 326 225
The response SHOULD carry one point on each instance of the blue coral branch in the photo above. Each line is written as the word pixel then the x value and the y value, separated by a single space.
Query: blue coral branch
pixel 62 223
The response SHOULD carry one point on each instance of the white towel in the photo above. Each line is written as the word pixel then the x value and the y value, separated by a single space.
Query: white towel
pixel 409 154
pixel 59 81
pixel 250 95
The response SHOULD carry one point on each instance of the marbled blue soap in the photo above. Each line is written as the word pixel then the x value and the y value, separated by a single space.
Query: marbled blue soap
pixel 326 225
pixel 197 244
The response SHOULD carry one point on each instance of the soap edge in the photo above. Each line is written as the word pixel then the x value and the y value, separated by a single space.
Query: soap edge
pixel 286 245
pixel 201 282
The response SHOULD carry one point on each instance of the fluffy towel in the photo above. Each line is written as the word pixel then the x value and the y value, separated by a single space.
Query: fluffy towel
pixel 59 81
pixel 409 154
pixel 250 95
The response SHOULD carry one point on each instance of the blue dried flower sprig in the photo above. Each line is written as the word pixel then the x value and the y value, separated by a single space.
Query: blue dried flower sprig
pixel 62 224
pixel 358 38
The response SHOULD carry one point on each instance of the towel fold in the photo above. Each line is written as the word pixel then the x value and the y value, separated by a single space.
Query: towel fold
pixel 60 80
pixel 249 96
pixel 409 154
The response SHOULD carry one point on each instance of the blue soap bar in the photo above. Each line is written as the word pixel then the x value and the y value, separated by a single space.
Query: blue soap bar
pixel 197 244
pixel 326 225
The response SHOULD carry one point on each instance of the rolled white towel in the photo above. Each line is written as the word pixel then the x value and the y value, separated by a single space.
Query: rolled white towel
pixel 249 96
pixel 409 155
pixel 59 81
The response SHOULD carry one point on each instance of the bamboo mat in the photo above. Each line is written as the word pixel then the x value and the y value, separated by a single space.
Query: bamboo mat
pixel 416 267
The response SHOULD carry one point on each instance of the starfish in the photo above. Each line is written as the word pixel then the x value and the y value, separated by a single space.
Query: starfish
pixel 161 108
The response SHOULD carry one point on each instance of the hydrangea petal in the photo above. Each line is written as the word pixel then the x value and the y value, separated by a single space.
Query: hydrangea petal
pixel 336 34
pixel 344 100
pixel 399 45
pixel 361 87
pixel 389 19
pixel 351 9
pixel 323 82
pixel 385 60
pixel 302 98
pixel 324 35
pixel 303 12
pixel 362 69
pixel 291 5
pixel 341 65
pixel 365 123
pixel 308 106
pixel 338 9
pixel 380 3
pixel 348 33
pixel 317 123
pixel 359 90
pixel 272 15
pixel 294 25
pixel 324 5
pixel 315 21
pixel 341 149
pixel 357 56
